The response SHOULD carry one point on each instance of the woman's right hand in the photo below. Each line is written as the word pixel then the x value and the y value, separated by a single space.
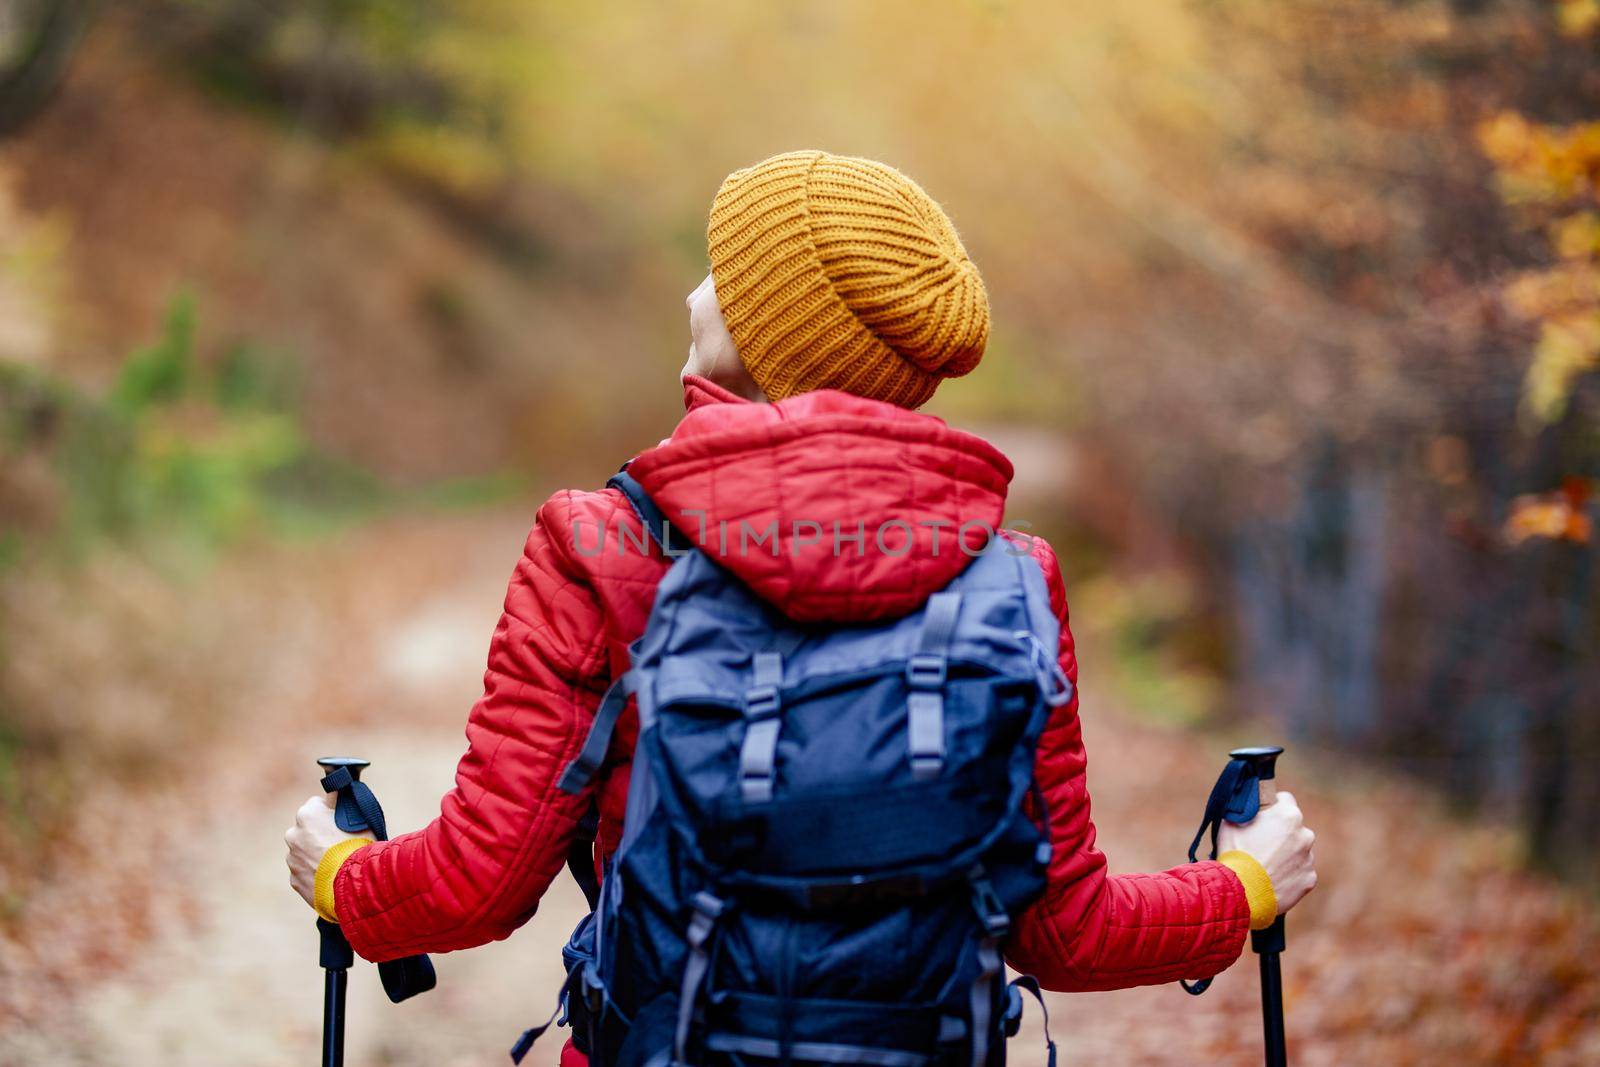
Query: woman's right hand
pixel 1277 838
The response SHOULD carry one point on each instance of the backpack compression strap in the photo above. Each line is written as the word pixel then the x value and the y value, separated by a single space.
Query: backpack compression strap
pixel 925 674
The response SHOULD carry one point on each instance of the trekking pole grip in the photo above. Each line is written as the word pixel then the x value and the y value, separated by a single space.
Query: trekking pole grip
pixel 1264 761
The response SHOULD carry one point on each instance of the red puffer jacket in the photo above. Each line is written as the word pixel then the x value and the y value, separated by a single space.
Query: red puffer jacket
pixel 582 592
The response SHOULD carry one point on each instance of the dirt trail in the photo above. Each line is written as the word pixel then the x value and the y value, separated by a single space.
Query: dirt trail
pixel 1418 950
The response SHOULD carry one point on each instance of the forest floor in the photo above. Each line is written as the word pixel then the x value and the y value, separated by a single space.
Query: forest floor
pixel 1422 945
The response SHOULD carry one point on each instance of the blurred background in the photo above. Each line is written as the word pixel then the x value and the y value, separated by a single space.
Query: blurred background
pixel 306 304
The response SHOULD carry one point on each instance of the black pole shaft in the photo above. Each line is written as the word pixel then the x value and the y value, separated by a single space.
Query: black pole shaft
pixel 1269 945
pixel 333 991
pixel 336 958
pixel 1272 1010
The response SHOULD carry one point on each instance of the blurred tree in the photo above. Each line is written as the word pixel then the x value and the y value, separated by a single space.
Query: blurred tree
pixel 1412 571
pixel 37 40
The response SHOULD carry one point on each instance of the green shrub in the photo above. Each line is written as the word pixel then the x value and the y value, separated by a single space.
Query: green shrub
pixel 198 451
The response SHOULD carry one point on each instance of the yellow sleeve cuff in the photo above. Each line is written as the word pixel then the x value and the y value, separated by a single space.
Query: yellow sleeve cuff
pixel 1257 887
pixel 327 868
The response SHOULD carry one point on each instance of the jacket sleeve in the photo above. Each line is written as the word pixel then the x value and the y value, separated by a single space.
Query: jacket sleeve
pixel 476 872
pixel 1091 930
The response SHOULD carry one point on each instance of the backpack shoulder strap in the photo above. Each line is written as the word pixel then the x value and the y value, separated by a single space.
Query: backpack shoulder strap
pixel 670 539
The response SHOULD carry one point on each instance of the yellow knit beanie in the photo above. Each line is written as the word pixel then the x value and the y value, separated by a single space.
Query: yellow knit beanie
pixel 841 273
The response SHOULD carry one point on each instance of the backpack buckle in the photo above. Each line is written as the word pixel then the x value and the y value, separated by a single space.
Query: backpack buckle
pixel 1054 685
pixel 760 702
pixel 708 905
pixel 926 670
pixel 990 908
pixel 707 910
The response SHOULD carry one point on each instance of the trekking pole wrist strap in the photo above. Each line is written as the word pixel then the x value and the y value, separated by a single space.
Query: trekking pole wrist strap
pixel 1235 799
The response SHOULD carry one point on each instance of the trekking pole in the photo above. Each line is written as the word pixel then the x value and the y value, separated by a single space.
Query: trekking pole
pixel 356 810
pixel 1247 784
pixel 1268 943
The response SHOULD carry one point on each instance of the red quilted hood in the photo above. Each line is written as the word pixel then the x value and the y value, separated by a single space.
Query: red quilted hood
pixel 827 505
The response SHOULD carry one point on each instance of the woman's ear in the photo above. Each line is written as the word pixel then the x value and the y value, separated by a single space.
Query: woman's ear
pixel 712 353
pixel 733 376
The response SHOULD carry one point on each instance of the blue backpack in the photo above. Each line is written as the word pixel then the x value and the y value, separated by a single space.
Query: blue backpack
pixel 825 840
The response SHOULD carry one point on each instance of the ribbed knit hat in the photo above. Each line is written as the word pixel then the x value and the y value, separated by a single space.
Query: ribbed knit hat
pixel 841 273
